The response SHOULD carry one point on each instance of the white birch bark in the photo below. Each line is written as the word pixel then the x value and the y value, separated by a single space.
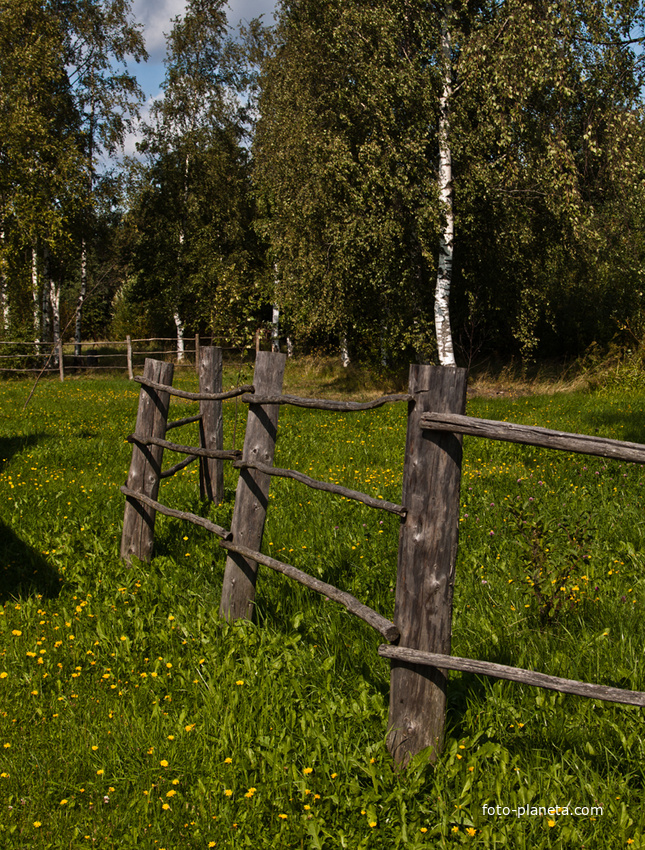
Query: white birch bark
pixel 4 288
pixel 344 352
pixel 180 336
pixel 446 239
pixel 81 300
pixel 34 293
pixel 275 329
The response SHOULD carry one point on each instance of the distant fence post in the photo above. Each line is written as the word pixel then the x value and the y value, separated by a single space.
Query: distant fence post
pixel 61 365
pixel 197 353
pixel 128 341
pixel 211 470
pixel 137 538
pixel 426 562
pixel 251 498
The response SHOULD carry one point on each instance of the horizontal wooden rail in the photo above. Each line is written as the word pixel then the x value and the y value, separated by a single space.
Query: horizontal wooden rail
pixel 162 509
pixel 514 674
pixel 382 625
pixel 326 404
pixel 179 422
pixel 338 489
pixel 173 470
pixel 194 451
pixel 247 388
pixel 532 435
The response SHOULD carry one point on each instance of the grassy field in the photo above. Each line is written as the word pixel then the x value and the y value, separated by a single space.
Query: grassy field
pixel 131 716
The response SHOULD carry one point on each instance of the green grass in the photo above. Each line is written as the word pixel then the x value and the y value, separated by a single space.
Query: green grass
pixel 131 716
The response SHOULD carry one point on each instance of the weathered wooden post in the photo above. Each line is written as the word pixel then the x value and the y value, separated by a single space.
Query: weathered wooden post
pixel 137 538
pixel 128 342
pixel 197 353
pixel 61 365
pixel 251 498
pixel 211 470
pixel 426 562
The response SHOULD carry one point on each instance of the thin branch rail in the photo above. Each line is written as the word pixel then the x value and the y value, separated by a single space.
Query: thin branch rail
pixel 195 451
pixel 382 625
pixel 173 470
pixel 326 404
pixel 179 422
pixel 514 674
pixel 162 509
pixel 323 485
pixel 533 435
pixel 246 388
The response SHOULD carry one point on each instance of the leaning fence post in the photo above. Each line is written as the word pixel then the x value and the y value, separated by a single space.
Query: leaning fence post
pixel 137 538
pixel 247 525
pixel 426 562
pixel 211 470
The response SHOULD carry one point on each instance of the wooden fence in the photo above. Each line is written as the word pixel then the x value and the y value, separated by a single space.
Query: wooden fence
pixel 44 357
pixel 419 638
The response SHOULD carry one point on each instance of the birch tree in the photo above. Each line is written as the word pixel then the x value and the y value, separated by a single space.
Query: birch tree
pixel 203 260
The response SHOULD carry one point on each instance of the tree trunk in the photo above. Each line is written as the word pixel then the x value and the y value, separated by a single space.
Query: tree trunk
pixel 81 299
pixel 444 269
pixel 180 336
pixel 344 351
pixel 34 292
pixel 4 289
pixel 54 298
pixel 275 330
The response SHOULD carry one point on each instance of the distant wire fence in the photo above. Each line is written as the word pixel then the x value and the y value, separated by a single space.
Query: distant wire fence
pixel 419 636
pixel 26 357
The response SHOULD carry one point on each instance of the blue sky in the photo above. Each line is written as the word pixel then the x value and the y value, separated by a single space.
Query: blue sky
pixel 156 15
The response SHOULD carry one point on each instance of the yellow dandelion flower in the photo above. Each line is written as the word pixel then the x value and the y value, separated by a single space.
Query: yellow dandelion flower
pixel 372 824
pixel 240 682
pixel 308 770
pixel 471 831
pixel 165 807
pixel 282 817
pixel 551 823
pixel 37 824
pixel 170 793
pixel 423 829
pixel 455 829
pixel 3 675
pixel 163 763
pixel 228 761
pixel 228 792
pixel 63 802
pixel 250 792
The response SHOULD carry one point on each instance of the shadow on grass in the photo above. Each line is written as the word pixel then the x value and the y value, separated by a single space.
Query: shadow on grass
pixel 9 446
pixel 23 570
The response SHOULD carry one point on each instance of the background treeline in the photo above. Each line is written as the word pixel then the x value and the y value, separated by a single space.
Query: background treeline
pixel 303 166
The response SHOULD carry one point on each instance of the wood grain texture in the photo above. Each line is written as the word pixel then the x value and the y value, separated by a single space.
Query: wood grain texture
pixel 251 497
pixel 382 625
pixel 211 470
pixel 326 404
pixel 426 563
pixel 155 385
pixel 534 436
pixel 514 674
pixel 137 538
pixel 337 489
pixel 186 515
pixel 195 451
